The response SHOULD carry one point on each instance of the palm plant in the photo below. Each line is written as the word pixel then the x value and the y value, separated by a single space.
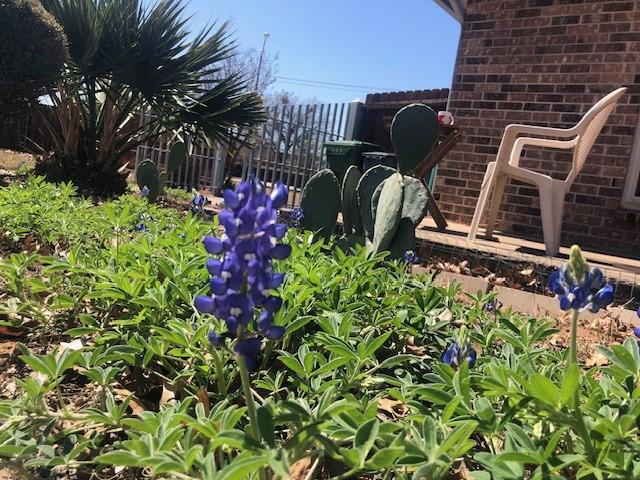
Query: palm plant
pixel 126 56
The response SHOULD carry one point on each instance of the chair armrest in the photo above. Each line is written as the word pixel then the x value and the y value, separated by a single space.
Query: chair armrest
pixel 515 129
pixel 521 142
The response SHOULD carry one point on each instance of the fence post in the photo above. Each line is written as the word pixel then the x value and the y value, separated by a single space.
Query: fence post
pixel 355 115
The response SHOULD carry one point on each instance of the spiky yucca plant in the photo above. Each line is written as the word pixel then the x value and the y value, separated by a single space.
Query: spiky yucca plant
pixel 128 55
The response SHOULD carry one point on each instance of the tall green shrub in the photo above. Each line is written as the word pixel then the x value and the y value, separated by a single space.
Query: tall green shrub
pixel 126 56
pixel 32 53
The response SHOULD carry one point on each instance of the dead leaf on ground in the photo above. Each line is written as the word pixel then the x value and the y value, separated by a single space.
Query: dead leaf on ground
pixel 527 272
pixel 134 404
pixel 8 349
pixel 300 469
pixel 389 408
pixel 203 398
pixel 168 396
pixel 11 332
pixel 596 359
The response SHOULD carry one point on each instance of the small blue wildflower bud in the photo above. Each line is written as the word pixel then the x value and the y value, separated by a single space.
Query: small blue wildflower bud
pixel 204 304
pixel 218 286
pixel 279 195
pixel 144 191
pixel 602 298
pixel 214 267
pixel 636 330
pixel 280 230
pixel 273 304
pixel 231 199
pixel 213 245
pixel 274 332
pixel 276 280
pixel 228 221
pixel 280 251
pixel 215 339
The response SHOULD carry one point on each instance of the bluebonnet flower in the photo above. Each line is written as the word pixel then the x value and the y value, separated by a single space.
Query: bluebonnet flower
pixel 140 227
pixel 455 355
pixel 636 330
pixel 144 191
pixel 411 257
pixel 459 351
pixel 296 215
pixel 242 276
pixel 493 306
pixel 578 287
pixel 198 202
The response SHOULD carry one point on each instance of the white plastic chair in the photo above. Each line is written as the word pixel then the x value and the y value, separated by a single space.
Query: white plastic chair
pixel 552 192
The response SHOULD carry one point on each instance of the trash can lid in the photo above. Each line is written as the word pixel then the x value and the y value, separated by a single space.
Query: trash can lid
pixel 378 155
pixel 349 143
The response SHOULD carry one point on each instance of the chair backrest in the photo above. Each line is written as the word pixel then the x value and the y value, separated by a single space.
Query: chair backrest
pixel 589 128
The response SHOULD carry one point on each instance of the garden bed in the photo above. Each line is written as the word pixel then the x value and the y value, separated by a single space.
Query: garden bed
pixel 107 370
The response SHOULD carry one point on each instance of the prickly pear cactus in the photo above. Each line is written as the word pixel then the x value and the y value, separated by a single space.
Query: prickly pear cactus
pixel 375 198
pixel 414 133
pixel 388 213
pixel 177 155
pixel 415 200
pixel 365 190
pixel 404 239
pixel 320 202
pixel 147 176
pixel 350 212
pixel 162 181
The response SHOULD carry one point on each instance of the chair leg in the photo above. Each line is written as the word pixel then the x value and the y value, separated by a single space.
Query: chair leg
pixel 494 205
pixel 487 185
pixel 548 207
pixel 558 199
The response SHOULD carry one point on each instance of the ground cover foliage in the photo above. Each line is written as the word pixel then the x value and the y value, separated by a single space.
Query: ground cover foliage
pixel 108 369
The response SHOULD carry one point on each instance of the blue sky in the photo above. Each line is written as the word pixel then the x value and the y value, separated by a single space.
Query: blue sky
pixel 385 44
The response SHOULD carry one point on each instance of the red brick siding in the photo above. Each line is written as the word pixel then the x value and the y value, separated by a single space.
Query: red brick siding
pixel 546 62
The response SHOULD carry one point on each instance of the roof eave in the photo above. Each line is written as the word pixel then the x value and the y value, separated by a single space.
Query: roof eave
pixel 455 8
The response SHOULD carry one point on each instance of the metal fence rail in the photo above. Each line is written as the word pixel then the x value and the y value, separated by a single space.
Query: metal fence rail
pixel 288 147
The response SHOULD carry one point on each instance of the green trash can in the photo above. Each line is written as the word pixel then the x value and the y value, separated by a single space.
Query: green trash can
pixel 342 154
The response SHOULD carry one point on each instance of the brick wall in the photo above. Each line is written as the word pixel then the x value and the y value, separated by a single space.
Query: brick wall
pixel 546 62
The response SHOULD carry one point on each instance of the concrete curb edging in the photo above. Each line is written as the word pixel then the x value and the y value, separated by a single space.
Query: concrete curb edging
pixel 528 303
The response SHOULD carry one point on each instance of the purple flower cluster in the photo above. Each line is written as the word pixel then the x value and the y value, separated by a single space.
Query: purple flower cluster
pixel 588 292
pixel 242 276
pixel 296 216
pixel 455 355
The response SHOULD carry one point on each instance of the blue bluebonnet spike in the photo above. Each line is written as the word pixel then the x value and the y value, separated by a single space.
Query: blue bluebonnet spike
pixel 144 191
pixel 198 202
pixel 411 257
pixel 242 275
pixel 579 288
pixel 492 307
pixel 455 355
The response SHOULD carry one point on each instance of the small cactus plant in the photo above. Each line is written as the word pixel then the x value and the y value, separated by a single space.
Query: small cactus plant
pixel 148 175
pixel 384 205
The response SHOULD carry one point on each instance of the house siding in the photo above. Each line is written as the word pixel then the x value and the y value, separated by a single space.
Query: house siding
pixel 546 62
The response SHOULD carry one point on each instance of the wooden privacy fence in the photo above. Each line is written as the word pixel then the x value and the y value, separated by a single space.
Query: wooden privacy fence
pixel 288 147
